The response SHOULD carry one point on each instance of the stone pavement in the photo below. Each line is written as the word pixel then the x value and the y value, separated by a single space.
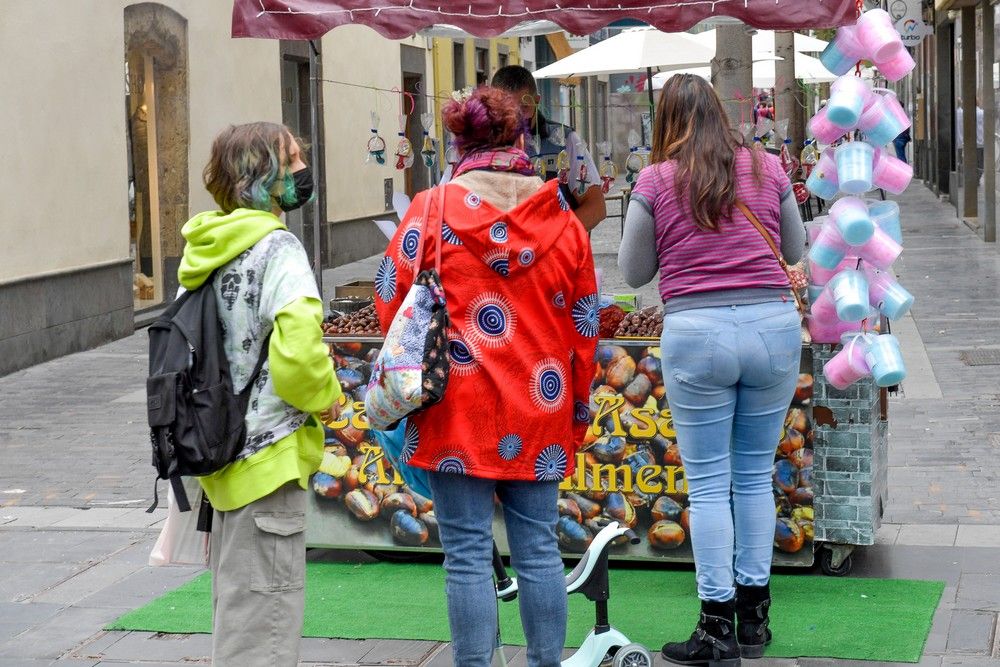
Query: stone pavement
pixel 75 479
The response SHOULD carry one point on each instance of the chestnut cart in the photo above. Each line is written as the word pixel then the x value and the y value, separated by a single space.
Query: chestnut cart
pixel 829 472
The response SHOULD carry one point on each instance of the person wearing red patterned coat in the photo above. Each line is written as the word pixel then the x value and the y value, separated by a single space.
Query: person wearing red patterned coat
pixel 519 280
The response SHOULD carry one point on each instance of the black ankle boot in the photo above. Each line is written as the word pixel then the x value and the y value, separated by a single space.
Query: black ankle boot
pixel 713 643
pixel 752 603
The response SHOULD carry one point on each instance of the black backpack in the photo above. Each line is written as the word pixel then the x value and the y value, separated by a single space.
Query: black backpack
pixel 197 421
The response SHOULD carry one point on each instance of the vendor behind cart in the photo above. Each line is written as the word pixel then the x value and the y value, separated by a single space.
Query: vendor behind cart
pixel 589 207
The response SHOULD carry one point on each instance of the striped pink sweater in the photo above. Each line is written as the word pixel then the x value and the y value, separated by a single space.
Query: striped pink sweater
pixel 693 261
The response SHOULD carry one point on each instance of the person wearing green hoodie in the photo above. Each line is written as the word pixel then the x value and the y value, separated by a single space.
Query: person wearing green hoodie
pixel 269 304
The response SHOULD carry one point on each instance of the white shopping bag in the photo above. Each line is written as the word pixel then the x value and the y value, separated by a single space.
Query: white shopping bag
pixel 180 542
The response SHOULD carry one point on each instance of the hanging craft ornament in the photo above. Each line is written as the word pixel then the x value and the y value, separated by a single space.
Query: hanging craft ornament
pixel 376 144
pixel 634 164
pixel 404 149
pixel 808 158
pixel 635 160
pixel 608 170
pixel 428 152
pixel 540 168
pixel 562 166
pixel 451 155
pixel 781 129
pixel 581 174
pixel 404 153
pixel 764 128
pixel 557 135
pixel 788 162
pixel 534 139
pixel 634 138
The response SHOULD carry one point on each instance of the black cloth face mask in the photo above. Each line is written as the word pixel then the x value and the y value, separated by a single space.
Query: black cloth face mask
pixel 303 190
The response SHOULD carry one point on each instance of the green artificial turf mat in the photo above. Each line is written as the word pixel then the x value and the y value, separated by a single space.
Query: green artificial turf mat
pixel 860 619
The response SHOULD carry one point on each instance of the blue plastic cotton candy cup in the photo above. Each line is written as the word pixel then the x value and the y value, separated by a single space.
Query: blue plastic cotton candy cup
pixel 886 360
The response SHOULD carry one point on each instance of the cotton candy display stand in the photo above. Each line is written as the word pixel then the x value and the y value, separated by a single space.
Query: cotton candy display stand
pixel 850 301
pixel 854 294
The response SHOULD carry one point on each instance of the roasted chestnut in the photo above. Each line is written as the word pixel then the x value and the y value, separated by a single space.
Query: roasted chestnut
pixel 362 503
pixel 407 529
pixel 665 535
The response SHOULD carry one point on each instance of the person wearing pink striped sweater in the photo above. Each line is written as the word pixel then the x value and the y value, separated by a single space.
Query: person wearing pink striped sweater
pixel 730 348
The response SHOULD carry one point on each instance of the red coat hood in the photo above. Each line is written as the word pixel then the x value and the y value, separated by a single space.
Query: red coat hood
pixel 506 241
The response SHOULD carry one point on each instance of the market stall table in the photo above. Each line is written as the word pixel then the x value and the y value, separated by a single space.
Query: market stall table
pixel 829 472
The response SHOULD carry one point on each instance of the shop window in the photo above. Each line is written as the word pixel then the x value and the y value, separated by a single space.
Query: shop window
pixel 157 132
pixel 458 61
pixel 482 67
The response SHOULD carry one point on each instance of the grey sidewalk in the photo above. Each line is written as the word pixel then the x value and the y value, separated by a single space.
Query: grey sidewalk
pixel 75 477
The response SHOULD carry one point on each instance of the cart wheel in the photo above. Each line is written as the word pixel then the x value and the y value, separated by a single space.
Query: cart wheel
pixel 826 564
pixel 633 655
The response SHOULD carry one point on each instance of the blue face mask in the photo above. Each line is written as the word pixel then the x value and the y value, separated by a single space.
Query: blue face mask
pixel 298 190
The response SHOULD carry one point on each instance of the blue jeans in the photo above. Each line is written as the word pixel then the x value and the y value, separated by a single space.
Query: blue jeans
pixel 464 510
pixel 730 373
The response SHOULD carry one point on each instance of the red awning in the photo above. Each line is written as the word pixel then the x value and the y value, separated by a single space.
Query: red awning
pixel 396 19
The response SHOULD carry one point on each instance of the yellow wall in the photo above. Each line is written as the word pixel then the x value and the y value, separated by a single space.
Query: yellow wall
pixel 444 66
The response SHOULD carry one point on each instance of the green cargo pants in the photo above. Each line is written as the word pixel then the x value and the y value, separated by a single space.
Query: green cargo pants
pixel 258 562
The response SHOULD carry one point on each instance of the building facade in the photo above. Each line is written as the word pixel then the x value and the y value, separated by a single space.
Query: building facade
pixel 113 109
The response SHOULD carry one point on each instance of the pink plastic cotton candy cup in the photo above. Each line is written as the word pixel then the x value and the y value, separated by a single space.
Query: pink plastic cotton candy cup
pixel 893 106
pixel 881 250
pixel 890 173
pixel 885 215
pixel 814 227
pixel 886 360
pixel 879 122
pixel 843 51
pixel 829 248
pixel 885 293
pixel 849 95
pixel 823 309
pixel 821 128
pixel 819 275
pixel 850 215
pixel 849 290
pixel 878 35
pixel 849 365
pixel 826 331
pixel 823 181
pixel 854 167
pixel 897 67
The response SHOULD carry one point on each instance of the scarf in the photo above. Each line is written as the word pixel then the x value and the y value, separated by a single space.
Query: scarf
pixel 500 159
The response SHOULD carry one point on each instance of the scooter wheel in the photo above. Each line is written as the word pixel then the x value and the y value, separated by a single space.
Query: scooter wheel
pixel 633 655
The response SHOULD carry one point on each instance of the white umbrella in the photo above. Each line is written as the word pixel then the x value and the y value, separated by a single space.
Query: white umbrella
pixel 764 40
pixel 526 29
pixel 808 69
pixel 632 50
pixel 762 43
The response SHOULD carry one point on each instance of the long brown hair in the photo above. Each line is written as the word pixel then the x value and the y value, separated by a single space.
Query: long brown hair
pixel 691 128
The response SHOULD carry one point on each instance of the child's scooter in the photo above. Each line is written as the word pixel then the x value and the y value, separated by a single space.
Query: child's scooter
pixel 604 645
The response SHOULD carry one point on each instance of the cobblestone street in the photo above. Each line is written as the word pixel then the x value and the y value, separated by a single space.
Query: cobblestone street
pixel 75 478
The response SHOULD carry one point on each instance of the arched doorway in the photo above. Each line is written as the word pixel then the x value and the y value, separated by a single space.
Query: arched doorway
pixel 156 71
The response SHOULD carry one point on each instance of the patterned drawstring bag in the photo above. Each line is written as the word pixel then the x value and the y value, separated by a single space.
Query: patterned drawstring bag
pixel 411 371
